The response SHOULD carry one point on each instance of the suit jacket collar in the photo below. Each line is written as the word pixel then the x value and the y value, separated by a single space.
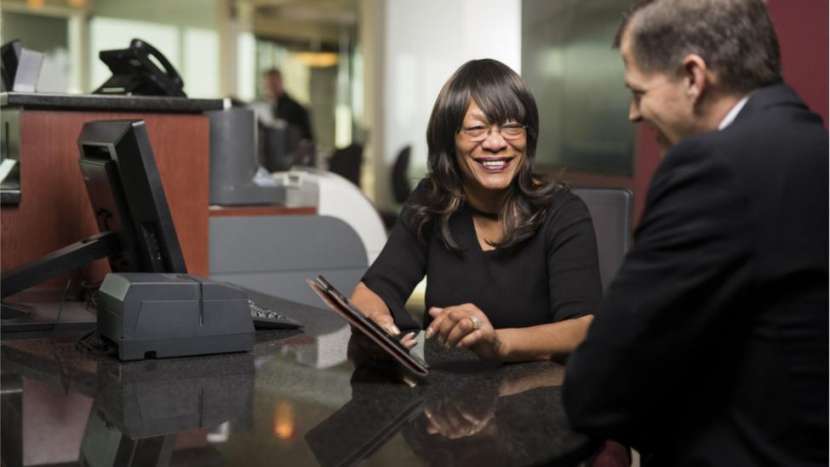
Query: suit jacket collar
pixel 770 96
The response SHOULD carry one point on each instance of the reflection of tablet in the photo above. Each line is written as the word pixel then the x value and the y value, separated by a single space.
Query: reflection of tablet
pixel 338 441
pixel 389 343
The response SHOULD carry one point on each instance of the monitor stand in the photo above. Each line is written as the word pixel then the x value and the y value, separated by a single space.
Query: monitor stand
pixel 20 317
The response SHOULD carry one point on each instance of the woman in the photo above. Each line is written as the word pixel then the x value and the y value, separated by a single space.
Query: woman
pixel 510 259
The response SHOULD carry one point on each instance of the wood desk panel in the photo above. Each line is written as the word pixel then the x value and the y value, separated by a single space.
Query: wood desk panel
pixel 55 211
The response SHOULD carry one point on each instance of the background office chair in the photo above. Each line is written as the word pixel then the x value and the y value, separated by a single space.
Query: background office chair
pixel 610 209
pixel 400 181
pixel 347 162
pixel 400 184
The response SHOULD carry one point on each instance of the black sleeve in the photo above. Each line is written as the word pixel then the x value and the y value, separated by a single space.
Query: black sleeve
pixel 573 269
pixel 665 311
pixel 397 270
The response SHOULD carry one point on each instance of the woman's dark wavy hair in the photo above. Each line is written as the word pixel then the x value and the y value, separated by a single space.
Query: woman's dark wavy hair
pixel 502 96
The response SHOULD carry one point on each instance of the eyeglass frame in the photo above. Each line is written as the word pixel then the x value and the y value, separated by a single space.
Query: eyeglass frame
pixel 500 129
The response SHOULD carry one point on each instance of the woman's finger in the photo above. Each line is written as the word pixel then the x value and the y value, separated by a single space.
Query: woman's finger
pixel 385 321
pixel 462 328
pixel 409 340
pixel 438 317
pixel 447 324
pixel 471 339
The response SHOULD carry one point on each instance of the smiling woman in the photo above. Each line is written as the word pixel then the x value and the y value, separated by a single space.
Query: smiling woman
pixel 470 161
pixel 510 257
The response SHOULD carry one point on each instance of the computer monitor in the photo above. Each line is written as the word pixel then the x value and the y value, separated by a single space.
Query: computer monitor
pixel 127 197
pixel 126 194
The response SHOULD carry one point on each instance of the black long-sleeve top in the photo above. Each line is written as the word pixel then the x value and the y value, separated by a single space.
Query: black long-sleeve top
pixel 551 276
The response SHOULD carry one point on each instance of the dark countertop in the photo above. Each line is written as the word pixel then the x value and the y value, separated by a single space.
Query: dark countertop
pixel 295 400
pixel 55 101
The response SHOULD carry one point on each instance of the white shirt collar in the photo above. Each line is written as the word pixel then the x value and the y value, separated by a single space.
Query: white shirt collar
pixel 730 117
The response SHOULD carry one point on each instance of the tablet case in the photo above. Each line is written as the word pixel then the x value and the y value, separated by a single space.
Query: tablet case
pixel 389 343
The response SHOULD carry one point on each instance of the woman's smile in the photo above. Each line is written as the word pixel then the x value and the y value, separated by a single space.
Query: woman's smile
pixel 494 165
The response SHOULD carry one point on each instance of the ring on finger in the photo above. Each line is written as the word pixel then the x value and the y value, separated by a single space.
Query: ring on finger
pixel 476 322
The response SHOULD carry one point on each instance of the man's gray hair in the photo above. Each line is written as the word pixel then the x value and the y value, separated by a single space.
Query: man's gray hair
pixel 735 38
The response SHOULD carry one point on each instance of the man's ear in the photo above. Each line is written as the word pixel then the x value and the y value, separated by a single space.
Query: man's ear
pixel 696 75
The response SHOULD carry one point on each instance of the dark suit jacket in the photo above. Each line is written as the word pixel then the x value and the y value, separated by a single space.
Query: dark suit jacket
pixel 711 345
pixel 294 114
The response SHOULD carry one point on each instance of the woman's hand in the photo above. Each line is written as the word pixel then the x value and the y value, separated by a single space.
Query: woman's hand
pixel 465 326
pixel 362 348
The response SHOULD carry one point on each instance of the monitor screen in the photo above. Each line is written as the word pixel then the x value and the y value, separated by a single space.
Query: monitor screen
pixel 126 194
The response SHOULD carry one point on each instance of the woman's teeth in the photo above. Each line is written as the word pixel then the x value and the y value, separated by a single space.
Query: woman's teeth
pixel 495 165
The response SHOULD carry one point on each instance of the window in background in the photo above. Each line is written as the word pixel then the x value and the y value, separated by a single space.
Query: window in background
pixel 343 110
pixel 357 97
pixel 577 79
pixel 246 77
pixel 201 63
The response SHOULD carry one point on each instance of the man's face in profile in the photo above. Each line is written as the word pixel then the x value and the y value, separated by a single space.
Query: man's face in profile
pixel 658 99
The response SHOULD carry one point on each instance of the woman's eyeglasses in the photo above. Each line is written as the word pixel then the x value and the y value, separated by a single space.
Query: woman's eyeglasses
pixel 479 133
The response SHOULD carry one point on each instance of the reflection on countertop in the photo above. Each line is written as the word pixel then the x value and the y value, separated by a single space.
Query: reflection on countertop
pixel 294 400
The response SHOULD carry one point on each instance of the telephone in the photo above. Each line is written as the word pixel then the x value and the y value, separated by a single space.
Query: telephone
pixel 136 71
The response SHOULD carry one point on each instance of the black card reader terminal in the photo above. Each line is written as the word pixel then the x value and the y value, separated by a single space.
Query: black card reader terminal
pixel 171 315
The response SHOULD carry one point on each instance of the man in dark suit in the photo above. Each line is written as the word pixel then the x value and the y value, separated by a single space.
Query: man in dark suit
pixel 284 106
pixel 711 345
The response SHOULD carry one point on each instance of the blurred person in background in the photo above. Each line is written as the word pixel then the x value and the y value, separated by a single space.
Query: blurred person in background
pixel 283 106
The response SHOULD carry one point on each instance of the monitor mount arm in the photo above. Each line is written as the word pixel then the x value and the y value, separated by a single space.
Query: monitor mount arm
pixel 59 262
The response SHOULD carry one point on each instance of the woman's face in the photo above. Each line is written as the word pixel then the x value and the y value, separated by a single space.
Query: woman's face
pixel 489 155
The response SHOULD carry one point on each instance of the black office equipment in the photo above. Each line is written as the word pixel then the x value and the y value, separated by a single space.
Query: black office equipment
pixel 137 232
pixel 266 318
pixel 172 315
pixel 140 69
pixel 275 146
pixel 124 186
pixel 233 161
pixel 20 67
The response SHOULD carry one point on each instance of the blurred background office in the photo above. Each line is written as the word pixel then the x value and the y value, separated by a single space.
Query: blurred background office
pixel 368 71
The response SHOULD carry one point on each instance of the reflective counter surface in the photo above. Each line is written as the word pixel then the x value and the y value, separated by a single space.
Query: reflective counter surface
pixel 295 400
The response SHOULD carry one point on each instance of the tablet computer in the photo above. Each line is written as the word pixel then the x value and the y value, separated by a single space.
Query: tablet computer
pixel 386 341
